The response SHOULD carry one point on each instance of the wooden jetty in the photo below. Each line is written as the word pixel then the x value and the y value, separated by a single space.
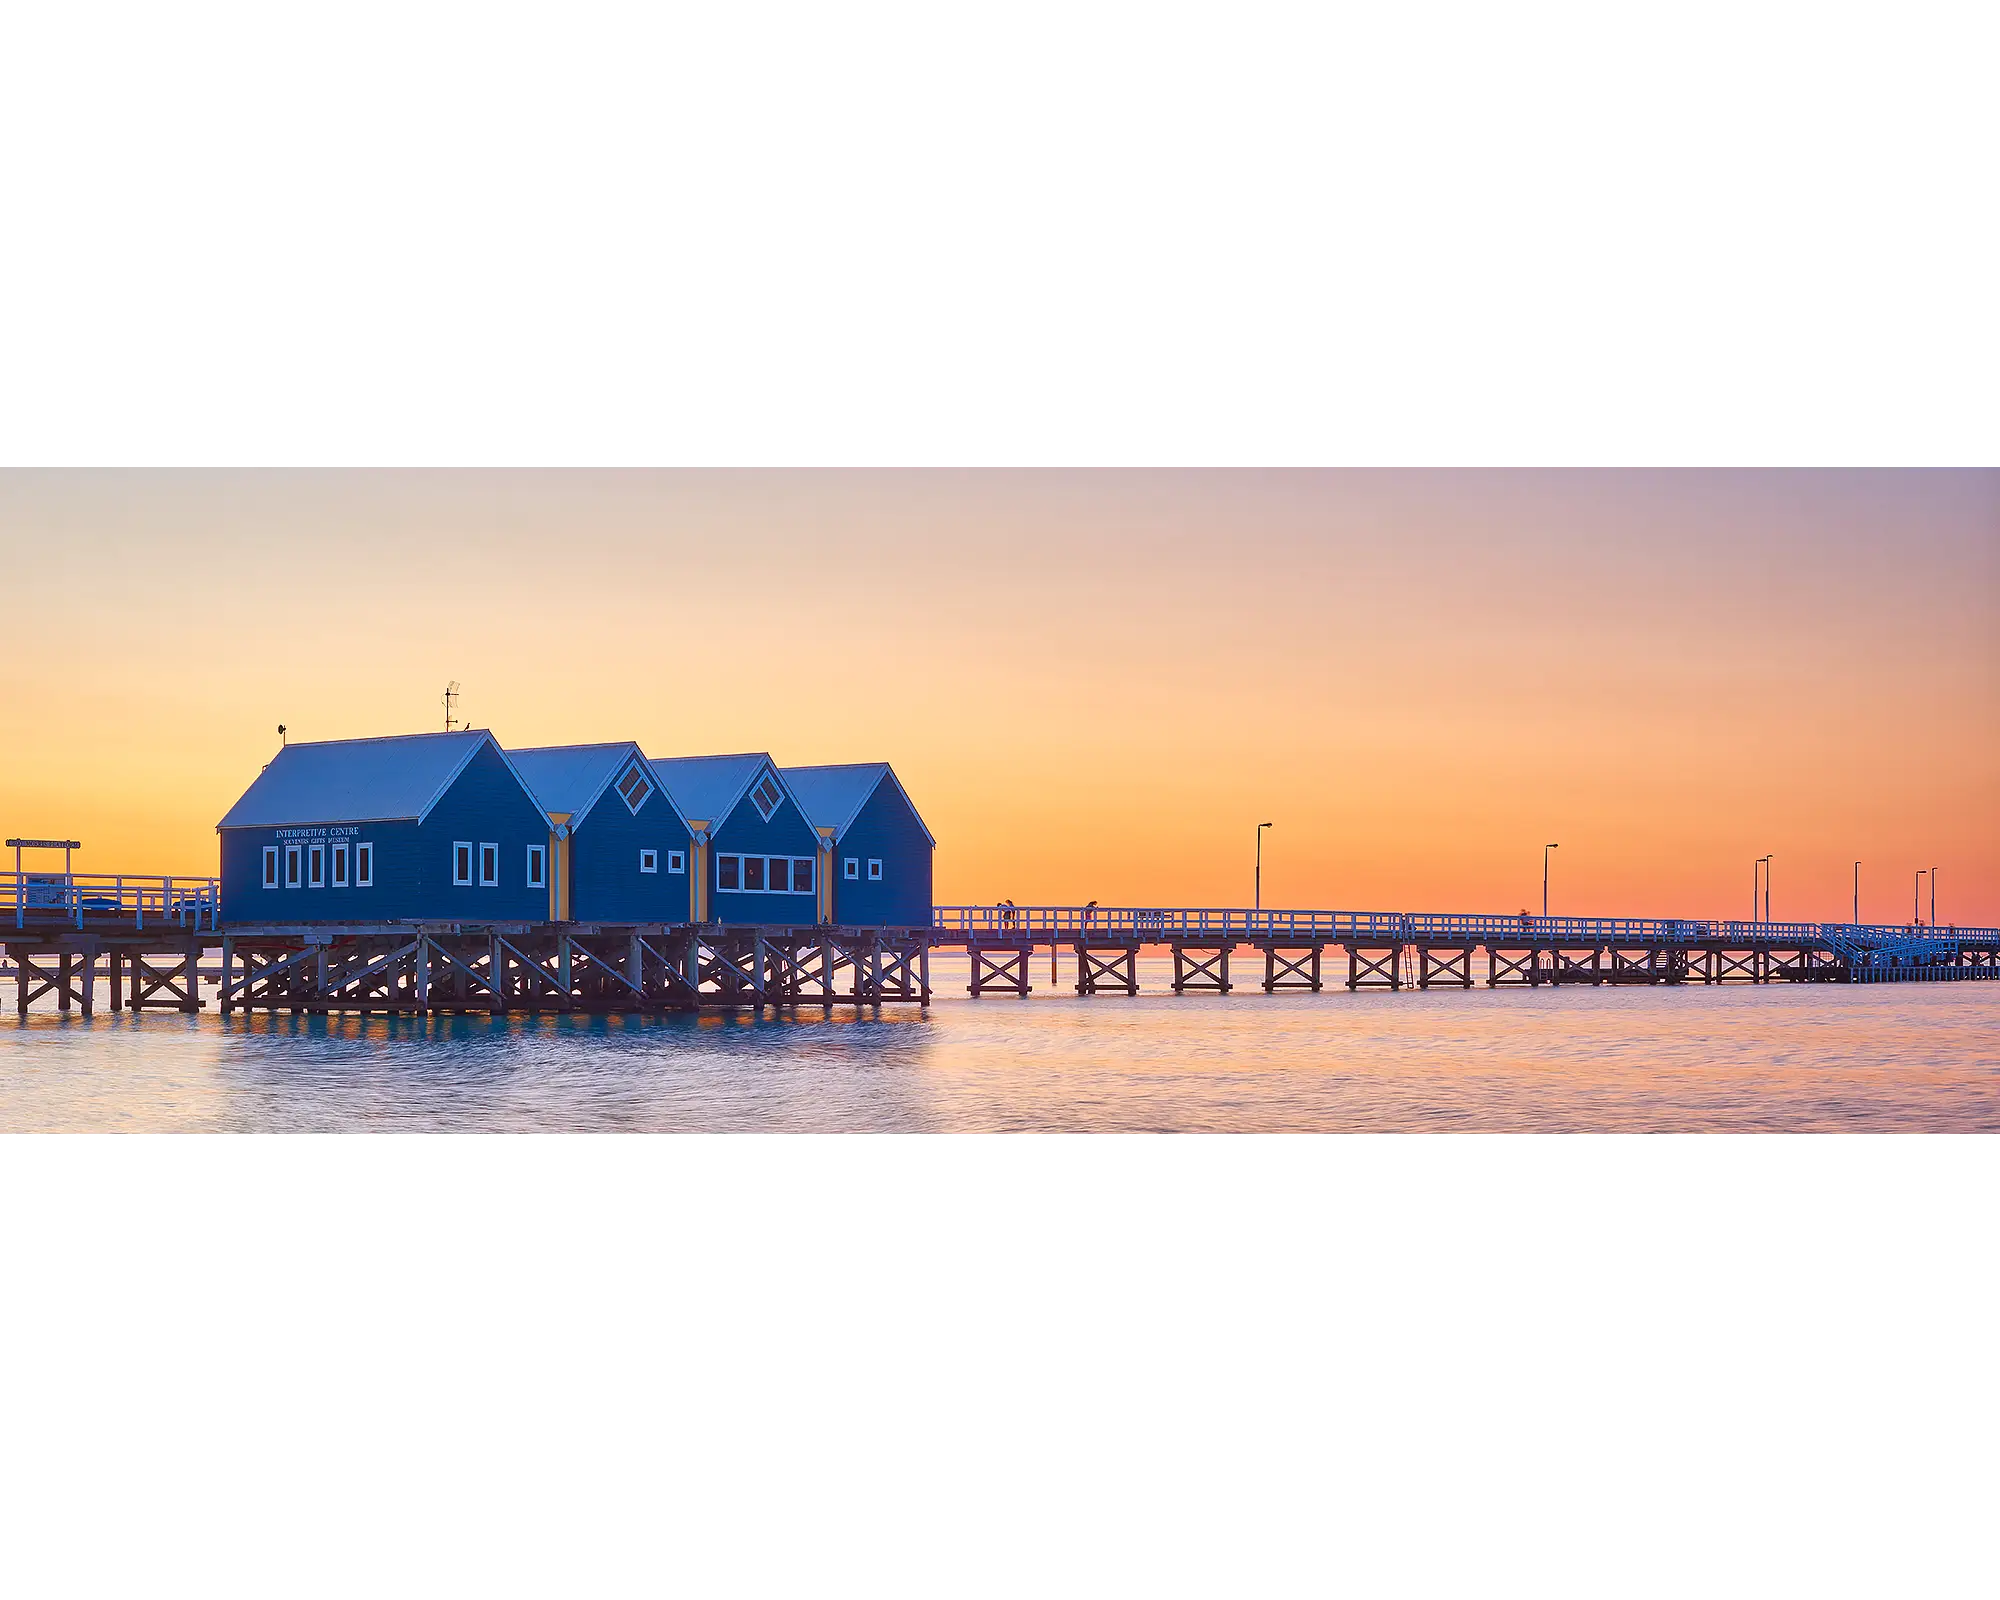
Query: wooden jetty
pixel 156 942
pixel 1304 950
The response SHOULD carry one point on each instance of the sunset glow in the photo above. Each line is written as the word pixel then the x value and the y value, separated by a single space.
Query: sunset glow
pixel 1095 685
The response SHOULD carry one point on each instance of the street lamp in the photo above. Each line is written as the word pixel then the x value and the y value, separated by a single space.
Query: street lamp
pixel 1545 878
pixel 1767 888
pixel 1257 902
pixel 1933 897
pixel 1917 900
pixel 1857 894
pixel 1760 876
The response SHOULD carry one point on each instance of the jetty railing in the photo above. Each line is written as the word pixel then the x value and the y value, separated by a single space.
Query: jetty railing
pixel 108 899
pixel 1167 923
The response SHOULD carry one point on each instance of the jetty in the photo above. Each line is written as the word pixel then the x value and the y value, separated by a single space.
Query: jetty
pixel 156 942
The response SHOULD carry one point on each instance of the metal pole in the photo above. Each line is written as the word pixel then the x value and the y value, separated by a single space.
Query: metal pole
pixel 1934 921
pixel 1917 899
pixel 1545 878
pixel 1767 888
pixel 1257 892
pixel 1857 894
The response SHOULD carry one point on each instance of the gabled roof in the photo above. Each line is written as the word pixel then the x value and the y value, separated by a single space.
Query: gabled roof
pixel 395 779
pixel 832 797
pixel 710 787
pixel 571 778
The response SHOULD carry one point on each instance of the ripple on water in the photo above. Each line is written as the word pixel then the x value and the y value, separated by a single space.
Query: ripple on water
pixel 1879 1058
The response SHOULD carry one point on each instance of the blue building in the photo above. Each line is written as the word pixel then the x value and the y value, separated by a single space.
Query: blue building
pixel 424 827
pixel 622 852
pixel 757 858
pixel 881 851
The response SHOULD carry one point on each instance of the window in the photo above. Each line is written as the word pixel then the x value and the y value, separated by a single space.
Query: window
pixel 364 866
pixel 633 788
pixel 316 866
pixel 340 866
pixel 461 862
pixel 677 861
pixel 538 866
pixel 649 861
pixel 767 794
pixel 270 866
pixel 764 874
pixel 291 866
pixel 874 870
pixel 850 869
pixel 489 866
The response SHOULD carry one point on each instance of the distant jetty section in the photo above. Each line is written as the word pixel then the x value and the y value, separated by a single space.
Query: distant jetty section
pixel 157 942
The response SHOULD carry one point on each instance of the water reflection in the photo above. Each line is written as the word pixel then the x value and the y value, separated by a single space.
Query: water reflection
pixel 1922 1057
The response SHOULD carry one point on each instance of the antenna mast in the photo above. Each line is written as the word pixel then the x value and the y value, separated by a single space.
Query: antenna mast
pixel 450 705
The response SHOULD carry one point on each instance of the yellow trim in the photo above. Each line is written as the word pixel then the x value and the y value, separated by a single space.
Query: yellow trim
pixel 559 899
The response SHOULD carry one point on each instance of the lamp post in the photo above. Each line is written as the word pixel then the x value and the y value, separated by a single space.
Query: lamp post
pixel 1917 899
pixel 1767 888
pixel 1257 894
pixel 1760 877
pixel 1857 894
pixel 1545 878
pixel 1933 897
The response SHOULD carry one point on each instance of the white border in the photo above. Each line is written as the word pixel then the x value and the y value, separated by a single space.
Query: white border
pixel 1662 1367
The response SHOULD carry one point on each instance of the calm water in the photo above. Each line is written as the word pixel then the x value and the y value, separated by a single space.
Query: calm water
pixel 1883 1058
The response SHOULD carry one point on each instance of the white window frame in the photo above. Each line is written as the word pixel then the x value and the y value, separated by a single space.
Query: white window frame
pixel 538 866
pixel 634 769
pixel 364 863
pixel 489 852
pixel 790 862
pixel 874 869
pixel 294 866
pixel 315 866
pixel 462 860
pixel 792 876
pixel 649 861
pixel 337 859
pixel 270 866
pixel 777 794
pixel 850 869
pixel 677 861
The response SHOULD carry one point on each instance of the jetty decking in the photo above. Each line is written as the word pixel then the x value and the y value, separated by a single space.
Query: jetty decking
pixel 155 942
pixel 1424 950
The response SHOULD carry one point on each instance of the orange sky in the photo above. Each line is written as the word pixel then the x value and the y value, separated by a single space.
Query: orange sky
pixel 1094 684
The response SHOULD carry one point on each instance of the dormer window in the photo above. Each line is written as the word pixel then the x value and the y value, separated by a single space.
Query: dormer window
pixel 634 787
pixel 767 795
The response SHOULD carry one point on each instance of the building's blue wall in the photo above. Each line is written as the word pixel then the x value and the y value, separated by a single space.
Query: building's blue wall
pixel 887 830
pixel 605 883
pixel 413 866
pixel 744 832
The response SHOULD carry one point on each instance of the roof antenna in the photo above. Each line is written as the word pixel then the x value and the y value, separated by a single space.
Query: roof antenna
pixel 281 736
pixel 450 705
